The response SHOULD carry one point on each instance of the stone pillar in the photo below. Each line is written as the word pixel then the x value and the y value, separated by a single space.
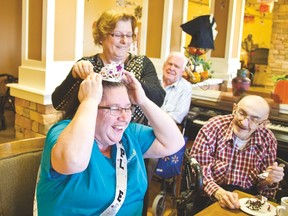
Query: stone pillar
pixel 278 54
pixel 52 40
pixel 33 119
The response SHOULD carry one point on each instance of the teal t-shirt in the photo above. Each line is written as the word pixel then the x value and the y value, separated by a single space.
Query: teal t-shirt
pixel 92 191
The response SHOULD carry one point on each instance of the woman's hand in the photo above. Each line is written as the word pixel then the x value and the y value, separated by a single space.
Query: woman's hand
pixel 135 90
pixel 168 137
pixel 91 88
pixel 82 69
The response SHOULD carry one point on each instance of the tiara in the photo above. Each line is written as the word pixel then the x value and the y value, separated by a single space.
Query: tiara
pixel 112 72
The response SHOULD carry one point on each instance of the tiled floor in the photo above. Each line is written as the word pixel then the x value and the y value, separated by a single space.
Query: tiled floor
pixel 154 190
pixel 7 135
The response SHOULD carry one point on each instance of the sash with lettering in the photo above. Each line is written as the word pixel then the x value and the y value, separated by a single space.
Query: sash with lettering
pixel 121 182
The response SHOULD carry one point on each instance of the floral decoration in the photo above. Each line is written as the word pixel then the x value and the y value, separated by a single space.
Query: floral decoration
pixel 198 69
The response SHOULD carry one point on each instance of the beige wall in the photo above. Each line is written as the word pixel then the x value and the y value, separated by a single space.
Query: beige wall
pixel 154 31
pixel 221 17
pixel 176 31
pixel 35 30
pixel 10 36
pixel 64 49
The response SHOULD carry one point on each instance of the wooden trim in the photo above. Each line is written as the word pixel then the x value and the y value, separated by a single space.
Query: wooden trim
pixel 18 147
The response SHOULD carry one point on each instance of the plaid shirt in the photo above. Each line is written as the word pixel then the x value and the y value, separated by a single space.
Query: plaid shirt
pixel 225 164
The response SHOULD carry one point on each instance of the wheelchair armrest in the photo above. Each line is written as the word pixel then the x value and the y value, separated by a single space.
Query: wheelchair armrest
pixel 198 171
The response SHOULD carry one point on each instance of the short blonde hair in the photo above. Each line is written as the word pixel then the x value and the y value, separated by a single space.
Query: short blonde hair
pixel 107 23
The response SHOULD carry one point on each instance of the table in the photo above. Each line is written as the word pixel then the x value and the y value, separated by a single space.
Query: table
pixel 211 84
pixel 215 208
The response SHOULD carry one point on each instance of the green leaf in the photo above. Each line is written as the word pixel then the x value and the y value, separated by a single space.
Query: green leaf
pixel 279 77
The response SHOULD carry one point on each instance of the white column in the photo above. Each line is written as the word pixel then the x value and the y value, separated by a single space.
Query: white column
pixel 38 78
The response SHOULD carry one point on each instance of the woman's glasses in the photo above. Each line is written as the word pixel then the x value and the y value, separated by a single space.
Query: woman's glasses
pixel 117 111
pixel 120 35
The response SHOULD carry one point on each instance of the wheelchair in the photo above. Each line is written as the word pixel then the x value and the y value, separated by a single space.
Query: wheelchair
pixel 183 189
pixel 5 97
pixel 181 186
pixel 283 185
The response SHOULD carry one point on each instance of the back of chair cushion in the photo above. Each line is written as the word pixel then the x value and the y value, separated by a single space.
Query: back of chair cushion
pixel 17 183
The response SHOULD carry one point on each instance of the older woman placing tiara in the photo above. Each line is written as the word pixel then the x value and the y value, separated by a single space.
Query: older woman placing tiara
pixel 114 31
pixel 93 163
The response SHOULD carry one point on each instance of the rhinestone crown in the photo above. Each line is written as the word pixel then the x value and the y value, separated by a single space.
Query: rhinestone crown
pixel 112 72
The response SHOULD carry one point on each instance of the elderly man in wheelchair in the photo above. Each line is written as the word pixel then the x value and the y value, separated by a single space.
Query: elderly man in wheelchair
pixel 238 151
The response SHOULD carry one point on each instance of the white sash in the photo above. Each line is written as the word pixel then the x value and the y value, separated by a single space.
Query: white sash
pixel 121 182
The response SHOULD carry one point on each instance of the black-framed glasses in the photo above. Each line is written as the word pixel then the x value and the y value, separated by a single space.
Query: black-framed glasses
pixel 120 35
pixel 117 111
pixel 252 119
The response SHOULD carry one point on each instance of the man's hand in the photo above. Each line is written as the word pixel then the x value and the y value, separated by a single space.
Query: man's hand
pixel 275 173
pixel 82 69
pixel 227 199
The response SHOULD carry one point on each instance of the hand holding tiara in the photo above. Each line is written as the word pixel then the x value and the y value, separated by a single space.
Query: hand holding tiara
pixel 112 72
pixel 136 93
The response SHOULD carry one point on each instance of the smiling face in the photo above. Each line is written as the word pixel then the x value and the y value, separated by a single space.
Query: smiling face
pixel 173 69
pixel 110 128
pixel 115 48
pixel 249 114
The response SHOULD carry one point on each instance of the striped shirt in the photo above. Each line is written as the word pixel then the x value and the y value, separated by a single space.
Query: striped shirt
pixel 223 163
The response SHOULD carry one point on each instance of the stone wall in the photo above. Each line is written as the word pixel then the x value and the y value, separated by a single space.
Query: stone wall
pixel 32 119
pixel 278 54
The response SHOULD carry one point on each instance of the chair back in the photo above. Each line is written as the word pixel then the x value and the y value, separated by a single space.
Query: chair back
pixel 19 164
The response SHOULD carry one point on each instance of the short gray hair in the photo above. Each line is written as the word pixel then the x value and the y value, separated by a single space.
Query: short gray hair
pixel 181 55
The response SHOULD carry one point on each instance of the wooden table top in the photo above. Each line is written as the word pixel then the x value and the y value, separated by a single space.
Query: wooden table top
pixel 215 209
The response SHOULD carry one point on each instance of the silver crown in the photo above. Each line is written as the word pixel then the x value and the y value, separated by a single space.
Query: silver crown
pixel 112 72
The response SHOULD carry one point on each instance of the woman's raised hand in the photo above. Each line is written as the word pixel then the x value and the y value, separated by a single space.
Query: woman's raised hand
pixel 91 88
pixel 135 90
pixel 82 69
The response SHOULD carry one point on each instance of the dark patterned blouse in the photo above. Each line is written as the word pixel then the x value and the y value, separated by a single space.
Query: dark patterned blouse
pixel 65 96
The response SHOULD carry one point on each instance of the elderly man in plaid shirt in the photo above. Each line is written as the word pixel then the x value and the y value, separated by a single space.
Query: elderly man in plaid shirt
pixel 233 150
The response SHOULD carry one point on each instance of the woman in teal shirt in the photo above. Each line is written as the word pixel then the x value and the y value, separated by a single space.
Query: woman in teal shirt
pixel 93 164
